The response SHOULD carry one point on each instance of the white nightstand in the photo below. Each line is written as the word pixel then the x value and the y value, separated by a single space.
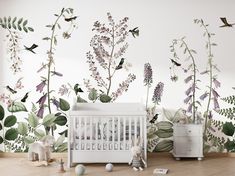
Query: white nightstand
pixel 188 141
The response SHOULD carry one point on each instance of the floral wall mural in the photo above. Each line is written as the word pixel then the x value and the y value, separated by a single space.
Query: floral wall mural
pixel 116 57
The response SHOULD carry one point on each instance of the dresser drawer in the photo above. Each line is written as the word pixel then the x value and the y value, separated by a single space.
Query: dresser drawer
pixel 187 130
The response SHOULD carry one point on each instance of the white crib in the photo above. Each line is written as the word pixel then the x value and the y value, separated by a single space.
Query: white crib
pixel 102 133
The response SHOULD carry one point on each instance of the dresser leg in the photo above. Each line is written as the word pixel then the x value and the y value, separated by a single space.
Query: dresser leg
pixel 177 159
pixel 199 158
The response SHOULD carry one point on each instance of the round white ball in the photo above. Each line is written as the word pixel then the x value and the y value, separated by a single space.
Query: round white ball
pixel 109 167
pixel 80 170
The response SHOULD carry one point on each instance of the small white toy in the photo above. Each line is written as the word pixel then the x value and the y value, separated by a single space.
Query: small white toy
pixel 41 150
pixel 137 160
pixel 109 167
pixel 80 170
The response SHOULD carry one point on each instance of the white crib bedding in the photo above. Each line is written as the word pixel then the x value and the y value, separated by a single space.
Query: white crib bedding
pixel 102 145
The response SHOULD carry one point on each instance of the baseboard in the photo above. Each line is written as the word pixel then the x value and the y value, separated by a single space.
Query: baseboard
pixel 24 155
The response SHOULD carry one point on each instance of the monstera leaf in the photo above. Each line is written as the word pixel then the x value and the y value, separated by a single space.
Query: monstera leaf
pixel 64 105
pixel 17 107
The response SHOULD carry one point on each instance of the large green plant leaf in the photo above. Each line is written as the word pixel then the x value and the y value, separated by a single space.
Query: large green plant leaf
pixel 0 126
pixel 17 107
pixel 64 105
pixel 164 146
pixel 48 120
pixel 28 140
pixel 2 112
pixel 164 133
pixel 11 134
pixel 23 128
pixel 33 120
pixel 39 133
pixel 230 145
pixel 60 120
pixel 228 129
pixel 63 147
pixel 59 141
pixel 164 125
pixel 1 139
pixel 10 121
pixel 105 98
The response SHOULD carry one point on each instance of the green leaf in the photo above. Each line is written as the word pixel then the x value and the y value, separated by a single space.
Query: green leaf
pixel 64 105
pixel 164 146
pixel 11 134
pixel 63 147
pixel 105 98
pixel 33 120
pixel 25 22
pixel 30 29
pixel 48 120
pixel 20 21
pixel 29 140
pixel 10 121
pixel 55 41
pixel 39 133
pixel 14 20
pixel 228 129
pixel 164 133
pixel 65 132
pixel 81 100
pixel 59 141
pixel 1 21
pixel 46 38
pixel 17 107
pixel 23 128
pixel 164 125
pixel 2 112
pixel 14 26
pixel 93 95
pixel 19 27
pixel 1 139
pixel 0 126
pixel 230 145
pixel 25 29
pixel 60 120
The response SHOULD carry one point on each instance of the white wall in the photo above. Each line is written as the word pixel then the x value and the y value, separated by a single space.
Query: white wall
pixel 159 21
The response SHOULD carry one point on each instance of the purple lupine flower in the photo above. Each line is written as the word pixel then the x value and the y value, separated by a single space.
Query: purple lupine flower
pixel 40 112
pixel 42 100
pixel 190 108
pixel 216 104
pixel 215 94
pixel 148 73
pixel 41 86
pixel 56 103
pixel 210 115
pixel 157 94
pixel 216 83
pixel 186 100
pixel 189 78
pixel 203 96
pixel 56 73
pixel 189 90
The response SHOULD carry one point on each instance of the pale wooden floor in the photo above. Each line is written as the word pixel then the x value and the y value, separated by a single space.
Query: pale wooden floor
pixel 210 166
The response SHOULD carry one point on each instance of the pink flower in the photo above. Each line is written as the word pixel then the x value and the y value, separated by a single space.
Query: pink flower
pixel 63 90
pixel 41 86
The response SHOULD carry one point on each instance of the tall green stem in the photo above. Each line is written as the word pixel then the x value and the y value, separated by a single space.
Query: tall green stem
pixel 194 80
pixel 147 97
pixel 111 56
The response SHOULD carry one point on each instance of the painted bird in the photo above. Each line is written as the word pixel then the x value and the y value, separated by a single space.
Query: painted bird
pixel 134 32
pixel 70 19
pixel 77 89
pixel 154 118
pixel 31 48
pixel 226 24
pixel 175 63
pixel 120 64
pixel 25 97
pixel 11 90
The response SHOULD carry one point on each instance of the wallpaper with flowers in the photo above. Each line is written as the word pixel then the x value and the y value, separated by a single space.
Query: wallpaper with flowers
pixel 31 110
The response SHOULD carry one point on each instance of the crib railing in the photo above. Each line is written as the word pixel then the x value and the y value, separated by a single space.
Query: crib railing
pixel 105 136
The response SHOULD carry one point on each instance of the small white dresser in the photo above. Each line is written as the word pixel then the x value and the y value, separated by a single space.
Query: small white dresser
pixel 188 141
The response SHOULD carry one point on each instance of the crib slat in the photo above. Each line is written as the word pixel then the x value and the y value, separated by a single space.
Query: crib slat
pixel 135 127
pixel 91 130
pixel 102 133
pixel 80 133
pixel 96 133
pixel 113 131
pixel 118 133
pixel 141 129
pixel 107 133
pixel 130 135
pixel 124 133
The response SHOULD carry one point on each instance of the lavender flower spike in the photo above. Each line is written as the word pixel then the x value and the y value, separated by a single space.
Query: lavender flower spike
pixel 40 112
pixel 157 94
pixel 56 73
pixel 41 86
pixel 203 96
pixel 216 104
pixel 148 73
pixel 186 100
pixel 216 82
pixel 56 103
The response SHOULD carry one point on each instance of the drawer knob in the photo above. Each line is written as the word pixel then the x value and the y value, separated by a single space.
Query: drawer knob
pixel 189 131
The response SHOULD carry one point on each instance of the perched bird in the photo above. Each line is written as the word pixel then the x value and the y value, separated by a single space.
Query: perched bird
pixel 31 48
pixel 134 32
pixel 77 89
pixel 25 97
pixel 70 19
pixel 175 63
pixel 120 64
pixel 226 24
pixel 11 90
pixel 154 118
